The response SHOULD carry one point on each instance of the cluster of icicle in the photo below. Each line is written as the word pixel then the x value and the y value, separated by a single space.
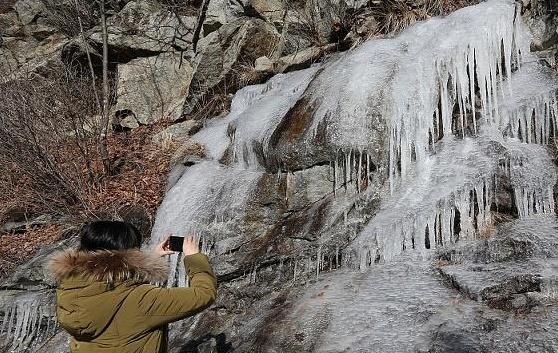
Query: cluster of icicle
pixel 450 88
pixel 527 167
pixel 28 321
pixel 486 56
pixel 487 42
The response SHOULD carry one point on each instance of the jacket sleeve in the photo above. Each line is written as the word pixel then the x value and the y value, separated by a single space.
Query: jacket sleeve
pixel 161 306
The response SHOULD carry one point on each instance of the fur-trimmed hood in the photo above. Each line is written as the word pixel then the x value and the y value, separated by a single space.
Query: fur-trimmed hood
pixel 109 266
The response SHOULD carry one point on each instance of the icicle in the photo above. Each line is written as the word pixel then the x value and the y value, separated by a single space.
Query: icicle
pixel 24 319
pixel 359 171
pixel 318 261
pixel 337 256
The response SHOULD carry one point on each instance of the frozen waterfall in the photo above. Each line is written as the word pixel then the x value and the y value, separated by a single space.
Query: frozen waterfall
pixel 463 104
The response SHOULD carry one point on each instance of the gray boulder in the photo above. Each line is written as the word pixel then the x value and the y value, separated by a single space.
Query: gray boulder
pixel 145 26
pixel 220 12
pixel 225 54
pixel 150 89
pixel 29 10
pixel 21 56
pixel 10 26
pixel 272 10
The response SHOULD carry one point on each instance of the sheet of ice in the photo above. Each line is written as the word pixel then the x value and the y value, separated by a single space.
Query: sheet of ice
pixel 255 112
pixel 449 197
pixel 415 79
pixel 255 125
pixel 207 202
pixel 533 176
pixel 436 205
pixel 442 164
pixel 402 306
pixel 383 310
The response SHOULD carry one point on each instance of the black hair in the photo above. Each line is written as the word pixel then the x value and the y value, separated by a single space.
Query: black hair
pixel 109 235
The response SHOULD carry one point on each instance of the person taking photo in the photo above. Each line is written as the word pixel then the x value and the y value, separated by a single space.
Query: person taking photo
pixel 105 299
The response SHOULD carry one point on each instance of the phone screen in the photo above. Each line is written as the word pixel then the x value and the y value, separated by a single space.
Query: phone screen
pixel 175 243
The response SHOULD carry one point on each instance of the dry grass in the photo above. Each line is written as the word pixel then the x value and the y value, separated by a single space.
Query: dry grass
pixel 246 74
pixel 16 248
pixel 212 104
pixel 396 15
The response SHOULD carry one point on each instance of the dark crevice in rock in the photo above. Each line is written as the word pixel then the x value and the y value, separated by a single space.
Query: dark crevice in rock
pixel 246 268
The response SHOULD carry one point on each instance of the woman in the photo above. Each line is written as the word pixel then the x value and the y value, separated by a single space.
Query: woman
pixel 105 301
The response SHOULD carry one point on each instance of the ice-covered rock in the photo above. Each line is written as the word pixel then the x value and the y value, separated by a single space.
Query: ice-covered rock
pixel 380 158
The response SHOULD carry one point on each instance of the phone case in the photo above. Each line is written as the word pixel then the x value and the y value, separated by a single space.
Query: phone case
pixel 176 243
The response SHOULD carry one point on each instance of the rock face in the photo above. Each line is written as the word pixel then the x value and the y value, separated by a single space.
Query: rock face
pixel 340 166
pixel 349 205
pixel 144 26
pixel 151 89
pixel 27 44
pixel 29 10
pixel 225 54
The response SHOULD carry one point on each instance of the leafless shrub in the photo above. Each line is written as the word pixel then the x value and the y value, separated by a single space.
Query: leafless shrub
pixel 48 139
pixel 50 160
pixel 65 15
pixel 211 104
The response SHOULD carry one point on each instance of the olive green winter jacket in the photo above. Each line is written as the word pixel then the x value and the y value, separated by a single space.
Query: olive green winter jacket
pixel 105 301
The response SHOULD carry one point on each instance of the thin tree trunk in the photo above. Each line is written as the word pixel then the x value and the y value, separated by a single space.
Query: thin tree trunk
pixel 105 113
pixel 199 25
pixel 94 87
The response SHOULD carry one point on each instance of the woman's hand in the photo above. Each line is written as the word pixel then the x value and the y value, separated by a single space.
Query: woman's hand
pixel 190 246
pixel 163 249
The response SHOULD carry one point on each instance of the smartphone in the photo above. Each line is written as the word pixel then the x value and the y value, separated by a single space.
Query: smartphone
pixel 175 243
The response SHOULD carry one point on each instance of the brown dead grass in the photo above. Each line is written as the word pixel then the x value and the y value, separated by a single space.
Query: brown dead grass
pixel 396 15
pixel 17 248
